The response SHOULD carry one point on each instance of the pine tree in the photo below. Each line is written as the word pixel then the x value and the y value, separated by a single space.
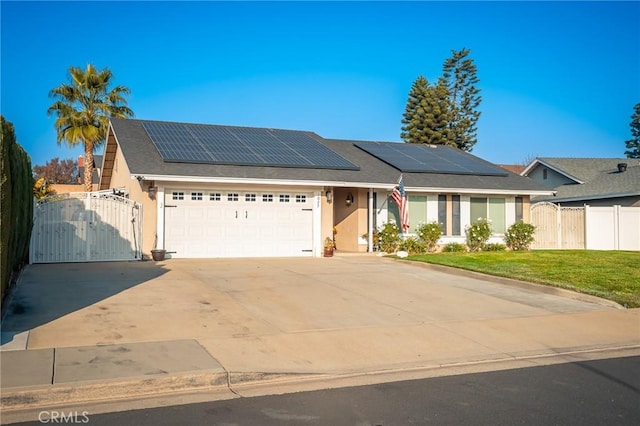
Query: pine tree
pixel 459 73
pixel 633 144
pixel 426 115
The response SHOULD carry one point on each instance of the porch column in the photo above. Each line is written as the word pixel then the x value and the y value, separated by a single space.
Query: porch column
pixel 371 212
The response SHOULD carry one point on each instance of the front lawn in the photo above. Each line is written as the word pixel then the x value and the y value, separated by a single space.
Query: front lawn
pixel 613 275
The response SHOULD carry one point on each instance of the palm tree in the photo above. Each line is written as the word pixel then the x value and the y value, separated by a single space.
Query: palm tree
pixel 83 108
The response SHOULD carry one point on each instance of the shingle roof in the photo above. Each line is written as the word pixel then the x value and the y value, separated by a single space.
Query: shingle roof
pixel 600 176
pixel 143 159
pixel 585 169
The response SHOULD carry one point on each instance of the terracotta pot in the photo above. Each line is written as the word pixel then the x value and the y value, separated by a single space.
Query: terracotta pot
pixel 328 252
pixel 158 254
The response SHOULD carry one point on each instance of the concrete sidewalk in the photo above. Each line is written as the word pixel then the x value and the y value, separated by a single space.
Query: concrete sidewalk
pixel 273 324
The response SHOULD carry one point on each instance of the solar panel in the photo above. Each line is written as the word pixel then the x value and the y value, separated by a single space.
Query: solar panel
pixel 209 144
pixel 420 158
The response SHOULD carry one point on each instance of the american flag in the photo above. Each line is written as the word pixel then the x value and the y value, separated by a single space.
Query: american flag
pixel 399 196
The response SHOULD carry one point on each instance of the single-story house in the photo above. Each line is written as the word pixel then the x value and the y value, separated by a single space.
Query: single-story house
pixel 591 181
pixel 226 191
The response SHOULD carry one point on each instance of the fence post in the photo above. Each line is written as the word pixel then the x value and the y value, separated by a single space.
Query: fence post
pixel 559 227
pixel 616 227
pixel 586 226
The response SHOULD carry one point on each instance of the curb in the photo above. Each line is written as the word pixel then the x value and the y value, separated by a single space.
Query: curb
pixel 33 397
pixel 135 387
pixel 542 288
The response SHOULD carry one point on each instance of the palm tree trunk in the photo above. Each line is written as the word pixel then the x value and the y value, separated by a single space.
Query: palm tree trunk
pixel 88 166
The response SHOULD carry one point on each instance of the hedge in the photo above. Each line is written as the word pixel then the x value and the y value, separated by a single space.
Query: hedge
pixel 16 206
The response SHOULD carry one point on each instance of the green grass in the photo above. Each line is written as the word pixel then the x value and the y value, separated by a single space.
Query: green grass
pixel 613 275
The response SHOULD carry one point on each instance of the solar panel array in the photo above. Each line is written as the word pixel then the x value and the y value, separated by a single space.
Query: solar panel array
pixel 209 144
pixel 420 158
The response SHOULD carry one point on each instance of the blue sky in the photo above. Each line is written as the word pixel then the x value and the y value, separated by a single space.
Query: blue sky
pixel 557 79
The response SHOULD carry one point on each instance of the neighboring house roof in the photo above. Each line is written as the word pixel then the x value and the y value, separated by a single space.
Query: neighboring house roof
pixel 596 178
pixel 513 168
pixel 143 159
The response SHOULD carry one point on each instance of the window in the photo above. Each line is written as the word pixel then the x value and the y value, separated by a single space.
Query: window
pixel 284 198
pixel 301 198
pixel 491 209
pixel 267 198
pixel 455 215
pixel 232 196
pixel 417 211
pixel 251 198
pixel 544 173
pixel 442 212
pixel 519 215
pixel 177 196
pixel 196 196
pixel 214 196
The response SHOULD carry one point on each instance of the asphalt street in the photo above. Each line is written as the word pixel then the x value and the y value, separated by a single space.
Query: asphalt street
pixel 601 392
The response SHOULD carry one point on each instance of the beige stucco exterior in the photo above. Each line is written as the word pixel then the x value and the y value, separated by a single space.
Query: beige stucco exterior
pixel 121 178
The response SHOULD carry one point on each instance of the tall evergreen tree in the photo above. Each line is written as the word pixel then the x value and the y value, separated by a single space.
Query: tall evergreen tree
pixel 460 76
pixel 633 144
pixel 425 118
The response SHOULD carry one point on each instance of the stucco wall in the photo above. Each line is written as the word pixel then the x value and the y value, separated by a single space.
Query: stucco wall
pixel 121 178
pixel 326 216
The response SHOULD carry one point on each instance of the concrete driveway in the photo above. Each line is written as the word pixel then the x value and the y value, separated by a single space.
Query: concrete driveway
pixel 330 315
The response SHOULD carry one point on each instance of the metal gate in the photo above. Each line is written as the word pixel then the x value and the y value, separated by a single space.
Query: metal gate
pixel 85 227
pixel 557 227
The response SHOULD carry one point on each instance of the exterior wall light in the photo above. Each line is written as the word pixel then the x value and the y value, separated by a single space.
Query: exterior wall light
pixel 349 199
pixel 152 190
pixel 329 196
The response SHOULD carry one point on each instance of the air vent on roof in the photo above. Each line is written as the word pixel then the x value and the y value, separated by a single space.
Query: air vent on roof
pixel 622 167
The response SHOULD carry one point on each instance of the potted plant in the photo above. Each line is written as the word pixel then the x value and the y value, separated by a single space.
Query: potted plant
pixel 329 246
pixel 157 254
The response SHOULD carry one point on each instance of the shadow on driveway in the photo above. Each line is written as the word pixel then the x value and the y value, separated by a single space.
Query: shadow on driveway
pixel 46 292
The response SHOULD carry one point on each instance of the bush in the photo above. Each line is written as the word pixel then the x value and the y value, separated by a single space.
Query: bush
pixel 389 238
pixel 16 214
pixel 519 236
pixel 454 248
pixel 430 233
pixel 413 245
pixel 494 247
pixel 478 234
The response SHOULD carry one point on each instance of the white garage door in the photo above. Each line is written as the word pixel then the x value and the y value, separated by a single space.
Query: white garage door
pixel 204 224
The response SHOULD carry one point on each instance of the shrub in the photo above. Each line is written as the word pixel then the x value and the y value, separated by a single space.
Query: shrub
pixel 478 234
pixel 413 245
pixel 519 236
pixel 494 247
pixel 454 248
pixel 430 233
pixel 389 238
pixel 375 239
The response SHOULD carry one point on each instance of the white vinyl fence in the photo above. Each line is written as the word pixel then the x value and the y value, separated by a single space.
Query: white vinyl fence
pixel 612 228
pixel 85 226
pixel 592 228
